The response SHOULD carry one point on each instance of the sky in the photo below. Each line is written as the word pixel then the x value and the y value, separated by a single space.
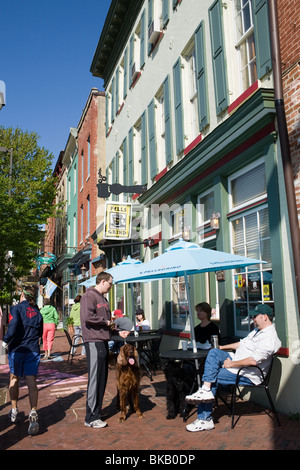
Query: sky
pixel 47 48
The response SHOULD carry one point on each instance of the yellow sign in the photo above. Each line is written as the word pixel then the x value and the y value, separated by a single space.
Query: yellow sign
pixel 117 224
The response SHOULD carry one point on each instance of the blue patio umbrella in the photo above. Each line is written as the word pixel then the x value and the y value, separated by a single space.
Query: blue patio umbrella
pixel 118 271
pixel 91 282
pixel 183 259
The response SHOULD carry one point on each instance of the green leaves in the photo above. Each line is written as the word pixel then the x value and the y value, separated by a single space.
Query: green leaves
pixel 27 194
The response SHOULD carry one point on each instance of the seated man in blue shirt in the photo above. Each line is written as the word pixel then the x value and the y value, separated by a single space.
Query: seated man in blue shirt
pixel 221 367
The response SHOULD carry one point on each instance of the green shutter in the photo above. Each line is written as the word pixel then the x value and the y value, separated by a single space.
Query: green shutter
pixel 143 41
pixel 168 127
pixel 117 90
pixel 125 163
pixel 218 55
pixel 131 58
pixel 125 72
pixel 262 37
pixel 112 99
pixel 106 112
pixel 150 19
pixel 144 160
pixel 202 94
pixel 178 107
pixel 113 175
pixel 130 157
pixel 165 11
pixel 152 140
pixel 116 166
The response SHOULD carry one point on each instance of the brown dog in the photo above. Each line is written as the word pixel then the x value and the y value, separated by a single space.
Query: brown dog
pixel 128 380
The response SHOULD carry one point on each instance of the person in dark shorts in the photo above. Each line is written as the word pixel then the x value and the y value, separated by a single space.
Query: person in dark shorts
pixel 22 339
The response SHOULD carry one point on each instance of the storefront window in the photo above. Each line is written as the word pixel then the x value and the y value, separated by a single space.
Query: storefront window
pixel 180 308
pixel 250 237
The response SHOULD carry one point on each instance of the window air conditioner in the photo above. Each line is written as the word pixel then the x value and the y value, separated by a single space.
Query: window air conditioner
pixel 154 31
pixel 134 71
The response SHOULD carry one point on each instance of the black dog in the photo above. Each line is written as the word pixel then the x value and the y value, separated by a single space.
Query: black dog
pixel 179 382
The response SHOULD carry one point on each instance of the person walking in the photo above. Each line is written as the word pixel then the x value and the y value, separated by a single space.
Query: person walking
pixel 75 315
pixel 50 317
pixel 97 327
pixel 22 340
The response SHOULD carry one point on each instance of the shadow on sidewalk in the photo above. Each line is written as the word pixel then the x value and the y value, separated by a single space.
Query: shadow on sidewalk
pixel 48 416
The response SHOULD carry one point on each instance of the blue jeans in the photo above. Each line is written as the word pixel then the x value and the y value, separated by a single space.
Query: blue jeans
pixel 215 374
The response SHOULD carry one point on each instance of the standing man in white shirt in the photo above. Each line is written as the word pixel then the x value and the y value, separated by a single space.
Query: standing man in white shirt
pixel 221 366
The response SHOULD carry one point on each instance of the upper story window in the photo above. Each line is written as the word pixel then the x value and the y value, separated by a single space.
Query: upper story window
pixel 82 169
pixel 137 150
pixel 88 156
pixel 160 128
pixel 192 97
pixel 245 42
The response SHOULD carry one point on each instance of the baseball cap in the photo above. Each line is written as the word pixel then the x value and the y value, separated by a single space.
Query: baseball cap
pixel 264 309
pixel 118 313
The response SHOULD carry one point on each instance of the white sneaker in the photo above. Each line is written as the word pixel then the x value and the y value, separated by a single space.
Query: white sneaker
pixel 201 396
pixel 98 423
pixel 200 425
pixel 13 415
pixel 33 423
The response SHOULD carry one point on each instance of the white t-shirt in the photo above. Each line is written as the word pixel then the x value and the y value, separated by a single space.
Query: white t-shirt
pixel 145 325
pixel 260 345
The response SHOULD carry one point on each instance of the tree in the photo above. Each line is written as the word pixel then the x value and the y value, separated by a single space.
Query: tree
pixel 27 201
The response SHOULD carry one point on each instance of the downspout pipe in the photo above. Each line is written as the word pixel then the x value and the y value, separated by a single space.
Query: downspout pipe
pixel 284 143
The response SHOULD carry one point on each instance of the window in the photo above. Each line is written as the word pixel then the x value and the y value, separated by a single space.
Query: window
pixel 137 151
pixel 191 109
pixel 134 55
pixel 119 85
pixel 89 156
pixel 75 179
pixel 179 304
pixel 205 209
pixel 69 190
pixel 250 235
pixel 88 216
pixel 81 223
pixel 206 206
pixel 177 222
pixel 160 128
pixel 82 169
pixel 245 42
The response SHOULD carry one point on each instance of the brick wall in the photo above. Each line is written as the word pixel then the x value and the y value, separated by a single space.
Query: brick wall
pixel 289 32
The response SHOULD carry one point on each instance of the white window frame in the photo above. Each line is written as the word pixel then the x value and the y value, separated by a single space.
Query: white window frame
pixel 242 211
pixel 191 118
pixel 245 40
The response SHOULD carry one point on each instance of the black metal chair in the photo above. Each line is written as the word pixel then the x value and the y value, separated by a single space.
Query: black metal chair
pixel 149 352
pixel 73 344
pixel 236 393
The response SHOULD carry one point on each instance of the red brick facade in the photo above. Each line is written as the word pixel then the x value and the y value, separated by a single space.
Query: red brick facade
pixel 89 138
pixel 289 32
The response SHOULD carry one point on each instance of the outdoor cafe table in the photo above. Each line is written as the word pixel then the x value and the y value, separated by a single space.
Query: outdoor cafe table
pixel 188 356
pixel 143 344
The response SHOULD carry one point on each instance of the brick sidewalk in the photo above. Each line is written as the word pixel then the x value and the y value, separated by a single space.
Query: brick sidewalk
pixel 61 410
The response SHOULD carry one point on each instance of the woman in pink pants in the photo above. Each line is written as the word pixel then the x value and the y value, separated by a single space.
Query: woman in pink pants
pixel 50 317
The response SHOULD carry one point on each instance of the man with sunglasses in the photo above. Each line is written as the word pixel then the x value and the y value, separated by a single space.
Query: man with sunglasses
pixel 222 366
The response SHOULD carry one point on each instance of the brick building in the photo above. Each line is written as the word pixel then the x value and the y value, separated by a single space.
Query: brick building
pixel 289 32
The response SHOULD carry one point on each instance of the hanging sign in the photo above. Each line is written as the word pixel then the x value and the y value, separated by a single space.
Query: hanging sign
pixel 46 258
pixel 117 222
